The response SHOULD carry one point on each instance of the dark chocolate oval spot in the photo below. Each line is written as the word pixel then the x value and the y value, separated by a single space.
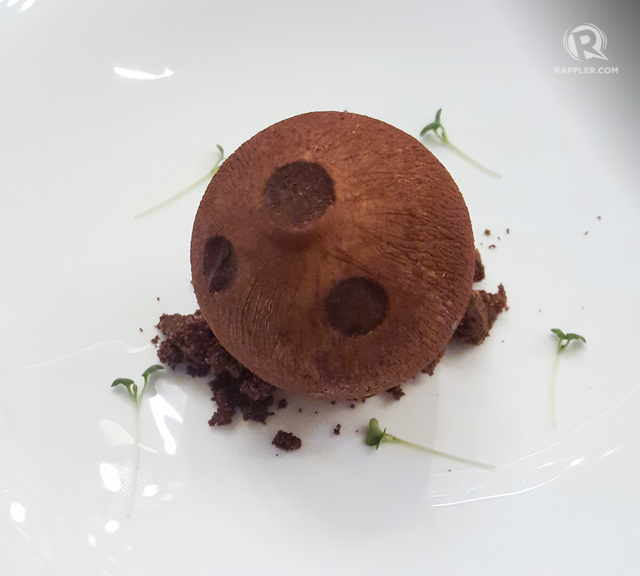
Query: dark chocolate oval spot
pixel 356 306
pixel 219 263
pixel 298 193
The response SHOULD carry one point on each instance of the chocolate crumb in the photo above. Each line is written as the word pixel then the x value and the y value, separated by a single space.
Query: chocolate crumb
pixel 508 231
pixel 491 246
pixel 336 430
pixel 189 342
pixel 482 311
pixel 141 330
pixel 396 392
pixel 155 340
pixel 282 404
pixel 248 394
pixel 286 441
pixel 487 232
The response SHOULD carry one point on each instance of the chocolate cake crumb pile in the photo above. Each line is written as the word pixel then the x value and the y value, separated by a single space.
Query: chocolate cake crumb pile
pixel 189 341
pixel 481 313
pixel 396 392
pixel 248 394
pixel 336 430
pixel 286 441
pixel 482 310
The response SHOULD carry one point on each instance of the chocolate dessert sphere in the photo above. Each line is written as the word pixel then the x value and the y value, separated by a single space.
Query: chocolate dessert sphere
pixel 333 255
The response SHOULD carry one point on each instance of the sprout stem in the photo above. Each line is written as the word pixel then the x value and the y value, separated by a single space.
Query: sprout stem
pixel 472 161
pixel 188 189
pixel 376 436
pixel 554 376
pixel 136 459
pixel 440 133
pixel 563 341
pixel 441 454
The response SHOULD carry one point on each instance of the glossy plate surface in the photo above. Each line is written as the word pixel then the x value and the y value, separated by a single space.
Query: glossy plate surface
pixel 110 108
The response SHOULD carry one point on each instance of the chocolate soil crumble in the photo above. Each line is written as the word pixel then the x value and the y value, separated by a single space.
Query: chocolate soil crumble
pixel 189 343
pixel 286 441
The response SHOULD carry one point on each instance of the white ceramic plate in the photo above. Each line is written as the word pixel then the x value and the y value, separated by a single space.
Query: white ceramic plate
pixel 108 108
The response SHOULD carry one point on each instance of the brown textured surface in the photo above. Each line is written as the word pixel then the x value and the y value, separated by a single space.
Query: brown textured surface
pixel 482 311
pixel 397 219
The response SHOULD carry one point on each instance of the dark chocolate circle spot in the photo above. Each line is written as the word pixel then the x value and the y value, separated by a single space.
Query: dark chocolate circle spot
pixel 219 264
pixel 298 193
pixel 356 306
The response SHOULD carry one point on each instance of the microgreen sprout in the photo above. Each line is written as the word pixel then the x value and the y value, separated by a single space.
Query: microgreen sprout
pixel 135 394
pixel 440 133
pixel 376 436
pixel 132 387
pixel 191 186
pixel 564 339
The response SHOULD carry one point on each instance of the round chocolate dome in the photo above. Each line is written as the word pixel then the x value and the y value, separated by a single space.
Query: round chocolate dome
pixel 332 254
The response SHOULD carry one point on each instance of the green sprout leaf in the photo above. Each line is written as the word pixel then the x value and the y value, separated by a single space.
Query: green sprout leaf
pixel 440 133
pixel 127 383
pixel 132 387
pixel 210 174
pixel 375 436
pixel 563 340
pixel 151 370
